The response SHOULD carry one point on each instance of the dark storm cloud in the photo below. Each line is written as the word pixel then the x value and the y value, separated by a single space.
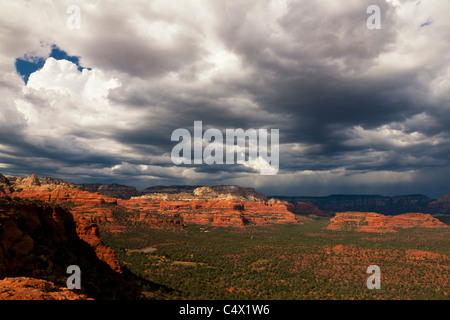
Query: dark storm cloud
pixel 122 40
pixel 357 109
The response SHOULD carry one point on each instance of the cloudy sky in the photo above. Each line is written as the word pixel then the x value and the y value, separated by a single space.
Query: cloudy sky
pixel 358 110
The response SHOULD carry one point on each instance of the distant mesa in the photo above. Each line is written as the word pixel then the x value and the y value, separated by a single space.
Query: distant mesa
pixel 111 190
pixel 187 193
pixel 176 193
pixel 375 222
pixel 441 205
pixel 308 208
pixel 170 189
pixel 375 203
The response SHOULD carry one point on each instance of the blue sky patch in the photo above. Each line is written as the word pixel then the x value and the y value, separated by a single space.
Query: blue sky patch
pixel 26 65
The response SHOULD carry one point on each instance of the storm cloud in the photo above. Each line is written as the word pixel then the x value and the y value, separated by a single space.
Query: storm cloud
pixel 358 110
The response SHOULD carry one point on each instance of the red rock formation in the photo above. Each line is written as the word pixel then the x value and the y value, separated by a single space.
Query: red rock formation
pixel 61 194
pixel 23 288
pixel 374 222
pixel 89 232
pixel 235 206
pixel 17 243
pixel 215 213
pixel 42 240
pixel 58 192
pixel 51 190
pixel 19 222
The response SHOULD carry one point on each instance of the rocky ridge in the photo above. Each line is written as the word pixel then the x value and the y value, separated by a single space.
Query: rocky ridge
pixel 114 190
pixel 375 203
pixel 203 193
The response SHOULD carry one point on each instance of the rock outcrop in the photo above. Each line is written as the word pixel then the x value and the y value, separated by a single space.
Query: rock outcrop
pixel 29 181
pixel 89 232
pixel 374 222
pixel 51 190
pixel 23 288
pixel 20 224
pixel 40 240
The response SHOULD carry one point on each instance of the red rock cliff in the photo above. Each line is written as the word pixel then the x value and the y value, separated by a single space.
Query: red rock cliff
pixel 39 240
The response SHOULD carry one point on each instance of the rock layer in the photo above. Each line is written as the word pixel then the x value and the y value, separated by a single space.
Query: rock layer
pixel 374 222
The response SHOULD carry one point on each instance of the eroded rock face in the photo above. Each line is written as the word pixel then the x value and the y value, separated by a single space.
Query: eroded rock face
pixel 374 222
pixel 51 190
pixel 59 194
pixel 23 288
pixel 90 232
pixel 216 213
pixel 39 240
pixel 19 225
pixel 29 181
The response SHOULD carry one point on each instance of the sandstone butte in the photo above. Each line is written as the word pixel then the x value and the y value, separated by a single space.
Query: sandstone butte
pixel 374 222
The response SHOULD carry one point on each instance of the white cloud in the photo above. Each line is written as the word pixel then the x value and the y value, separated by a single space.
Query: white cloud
pixel 384 135
pixel 64 78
